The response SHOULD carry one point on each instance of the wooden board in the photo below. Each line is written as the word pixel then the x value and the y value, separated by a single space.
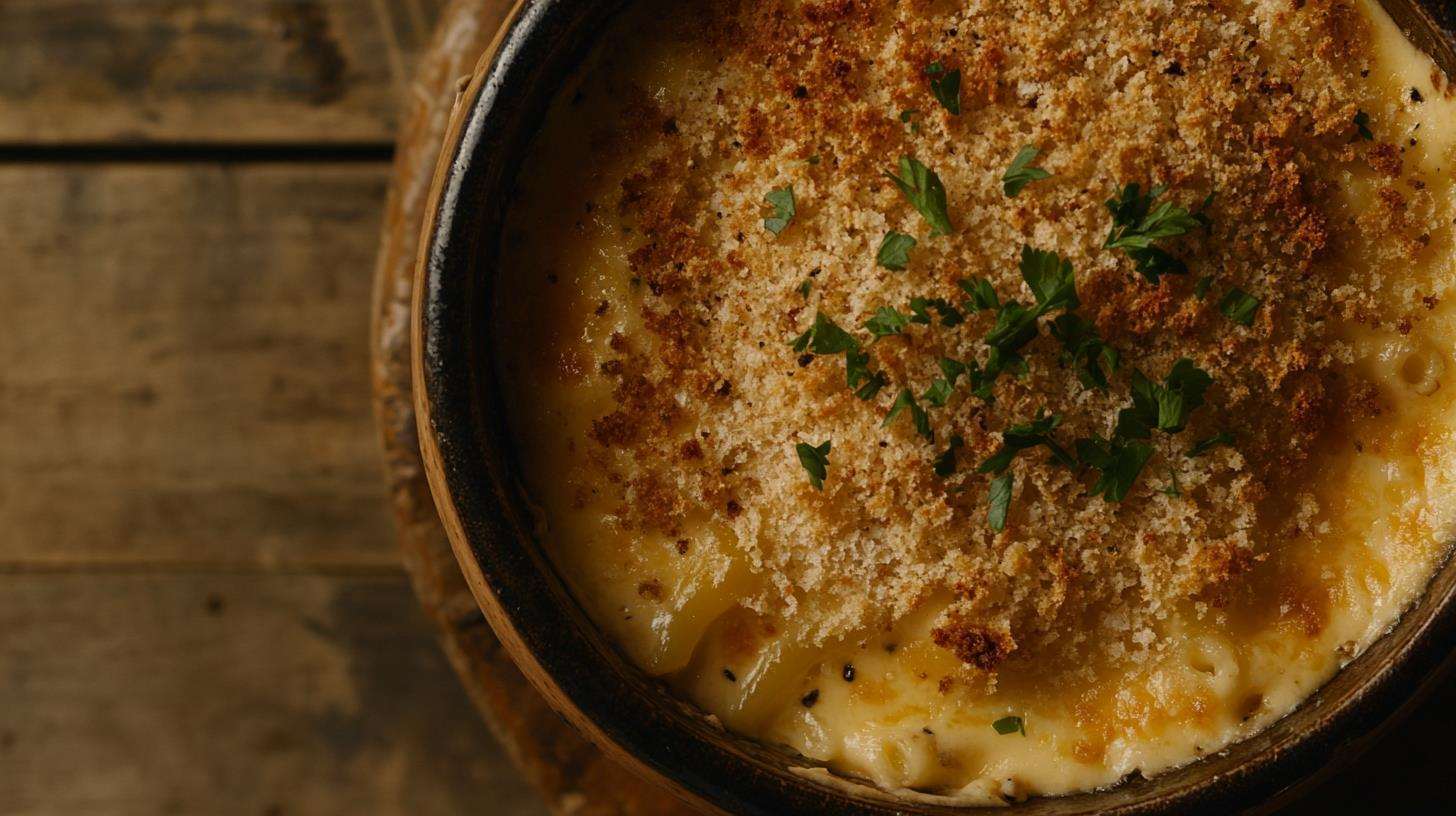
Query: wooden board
pixel 229 71
pixel 185 373
pixel 235 695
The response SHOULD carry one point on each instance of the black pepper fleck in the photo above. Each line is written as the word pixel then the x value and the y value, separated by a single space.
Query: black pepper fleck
pixel 730 676
pixel 810 699
pixel 848 672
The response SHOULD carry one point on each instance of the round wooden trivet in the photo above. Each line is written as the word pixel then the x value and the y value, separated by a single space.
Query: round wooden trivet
pixel 571 774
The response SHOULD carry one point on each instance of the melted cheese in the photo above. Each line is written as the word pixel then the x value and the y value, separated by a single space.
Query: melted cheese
pixel 887 704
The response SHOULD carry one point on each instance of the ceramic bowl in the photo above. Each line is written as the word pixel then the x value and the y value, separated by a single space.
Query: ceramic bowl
pixel 471 470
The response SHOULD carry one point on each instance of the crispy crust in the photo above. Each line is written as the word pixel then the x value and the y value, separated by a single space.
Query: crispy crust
pixel 1202 97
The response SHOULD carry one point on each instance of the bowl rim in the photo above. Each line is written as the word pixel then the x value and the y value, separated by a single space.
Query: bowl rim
pixel 626 714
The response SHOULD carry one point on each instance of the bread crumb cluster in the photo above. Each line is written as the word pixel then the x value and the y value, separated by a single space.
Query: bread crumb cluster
pixel 1253 103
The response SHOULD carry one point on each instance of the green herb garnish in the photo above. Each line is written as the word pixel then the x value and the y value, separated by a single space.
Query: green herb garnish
pixel 1203 446
pixel 918 416
pixel 1239 306
pixel 1172 487
pixel 945 86
pixel 1052 285
pixel 1119 462
pixel 1200 289
pixel 1166 406
pixel 1009 725
pixel 803 289
pixel 999 501
pixel 982 293
pixel 815 462
pixel 1021 172
pixel 887 321
pixel 923 189
pixel 825 337
pixel 938 394
pixel 1137 224
pixel 1017 438
pixel 895 251
pixel 1084 350
pixel 782 201
pixel 949 315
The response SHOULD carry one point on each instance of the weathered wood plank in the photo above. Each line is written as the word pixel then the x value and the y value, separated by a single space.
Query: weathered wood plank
pixel 206 70
pixel 184 366
pixel 244 695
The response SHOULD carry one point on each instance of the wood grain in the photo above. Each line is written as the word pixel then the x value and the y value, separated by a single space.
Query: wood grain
pixel 229 71
pixel 183 367
pixel 235 694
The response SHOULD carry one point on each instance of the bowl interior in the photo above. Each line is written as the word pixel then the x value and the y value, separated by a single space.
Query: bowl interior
pixel 469 457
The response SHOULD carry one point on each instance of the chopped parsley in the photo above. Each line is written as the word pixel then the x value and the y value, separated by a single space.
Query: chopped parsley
pixel 949 315
pixel 945 463
pixel 1052 285
pixel 887 321
pixel 982 293
pixel 999 501
pixel 1084 350
pixel 782 202
pixel 1017 438
pixel 918 416
pixel 940 390
pixel 815 461
pixel 1203 446
pixel 895 251
pixel 826 337
pixel 923 189
pixel 1166 406
pixel 1200 289
pixel 1137 225
pixel 1119 462
pixel 1239 306
pixel 1009 725
pixel 804 288
pixel 1021 172
pixel 1172 488
pixel 945 86
pixel 1362 126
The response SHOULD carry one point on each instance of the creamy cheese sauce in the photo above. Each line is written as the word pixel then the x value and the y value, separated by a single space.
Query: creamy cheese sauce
pixel 877 704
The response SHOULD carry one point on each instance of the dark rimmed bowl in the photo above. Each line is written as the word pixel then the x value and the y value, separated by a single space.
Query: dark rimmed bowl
pixel 471 472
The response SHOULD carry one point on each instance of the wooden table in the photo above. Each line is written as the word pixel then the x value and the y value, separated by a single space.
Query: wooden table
pixel 201 603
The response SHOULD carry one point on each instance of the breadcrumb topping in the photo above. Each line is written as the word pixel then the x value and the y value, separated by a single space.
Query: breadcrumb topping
pixel 824 97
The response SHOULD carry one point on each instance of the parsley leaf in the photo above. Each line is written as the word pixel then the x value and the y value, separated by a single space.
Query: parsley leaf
pixel 1172 488
pixel 1017 438
pixel 887 321
pixel 946 86
pixel 782 201
pixel 1167 406
pixel 1362 126
pixel 1084 350
pixel 1021 173
pixel 804 288
pixel 1009 725
pixel 866 383
pixel 1200 290
pixel 945 464
pixel 815 461
pixel 895 251
pixel 1137 224
pixel 1050 279
pixel 940 390
pixel 983 294
pixel 826 337
pixel 1000 502
pixel 918 416
pixel 1120 461
pixel 923 188
pixel 949 314
pixel 1203 446
pixel 1239 306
